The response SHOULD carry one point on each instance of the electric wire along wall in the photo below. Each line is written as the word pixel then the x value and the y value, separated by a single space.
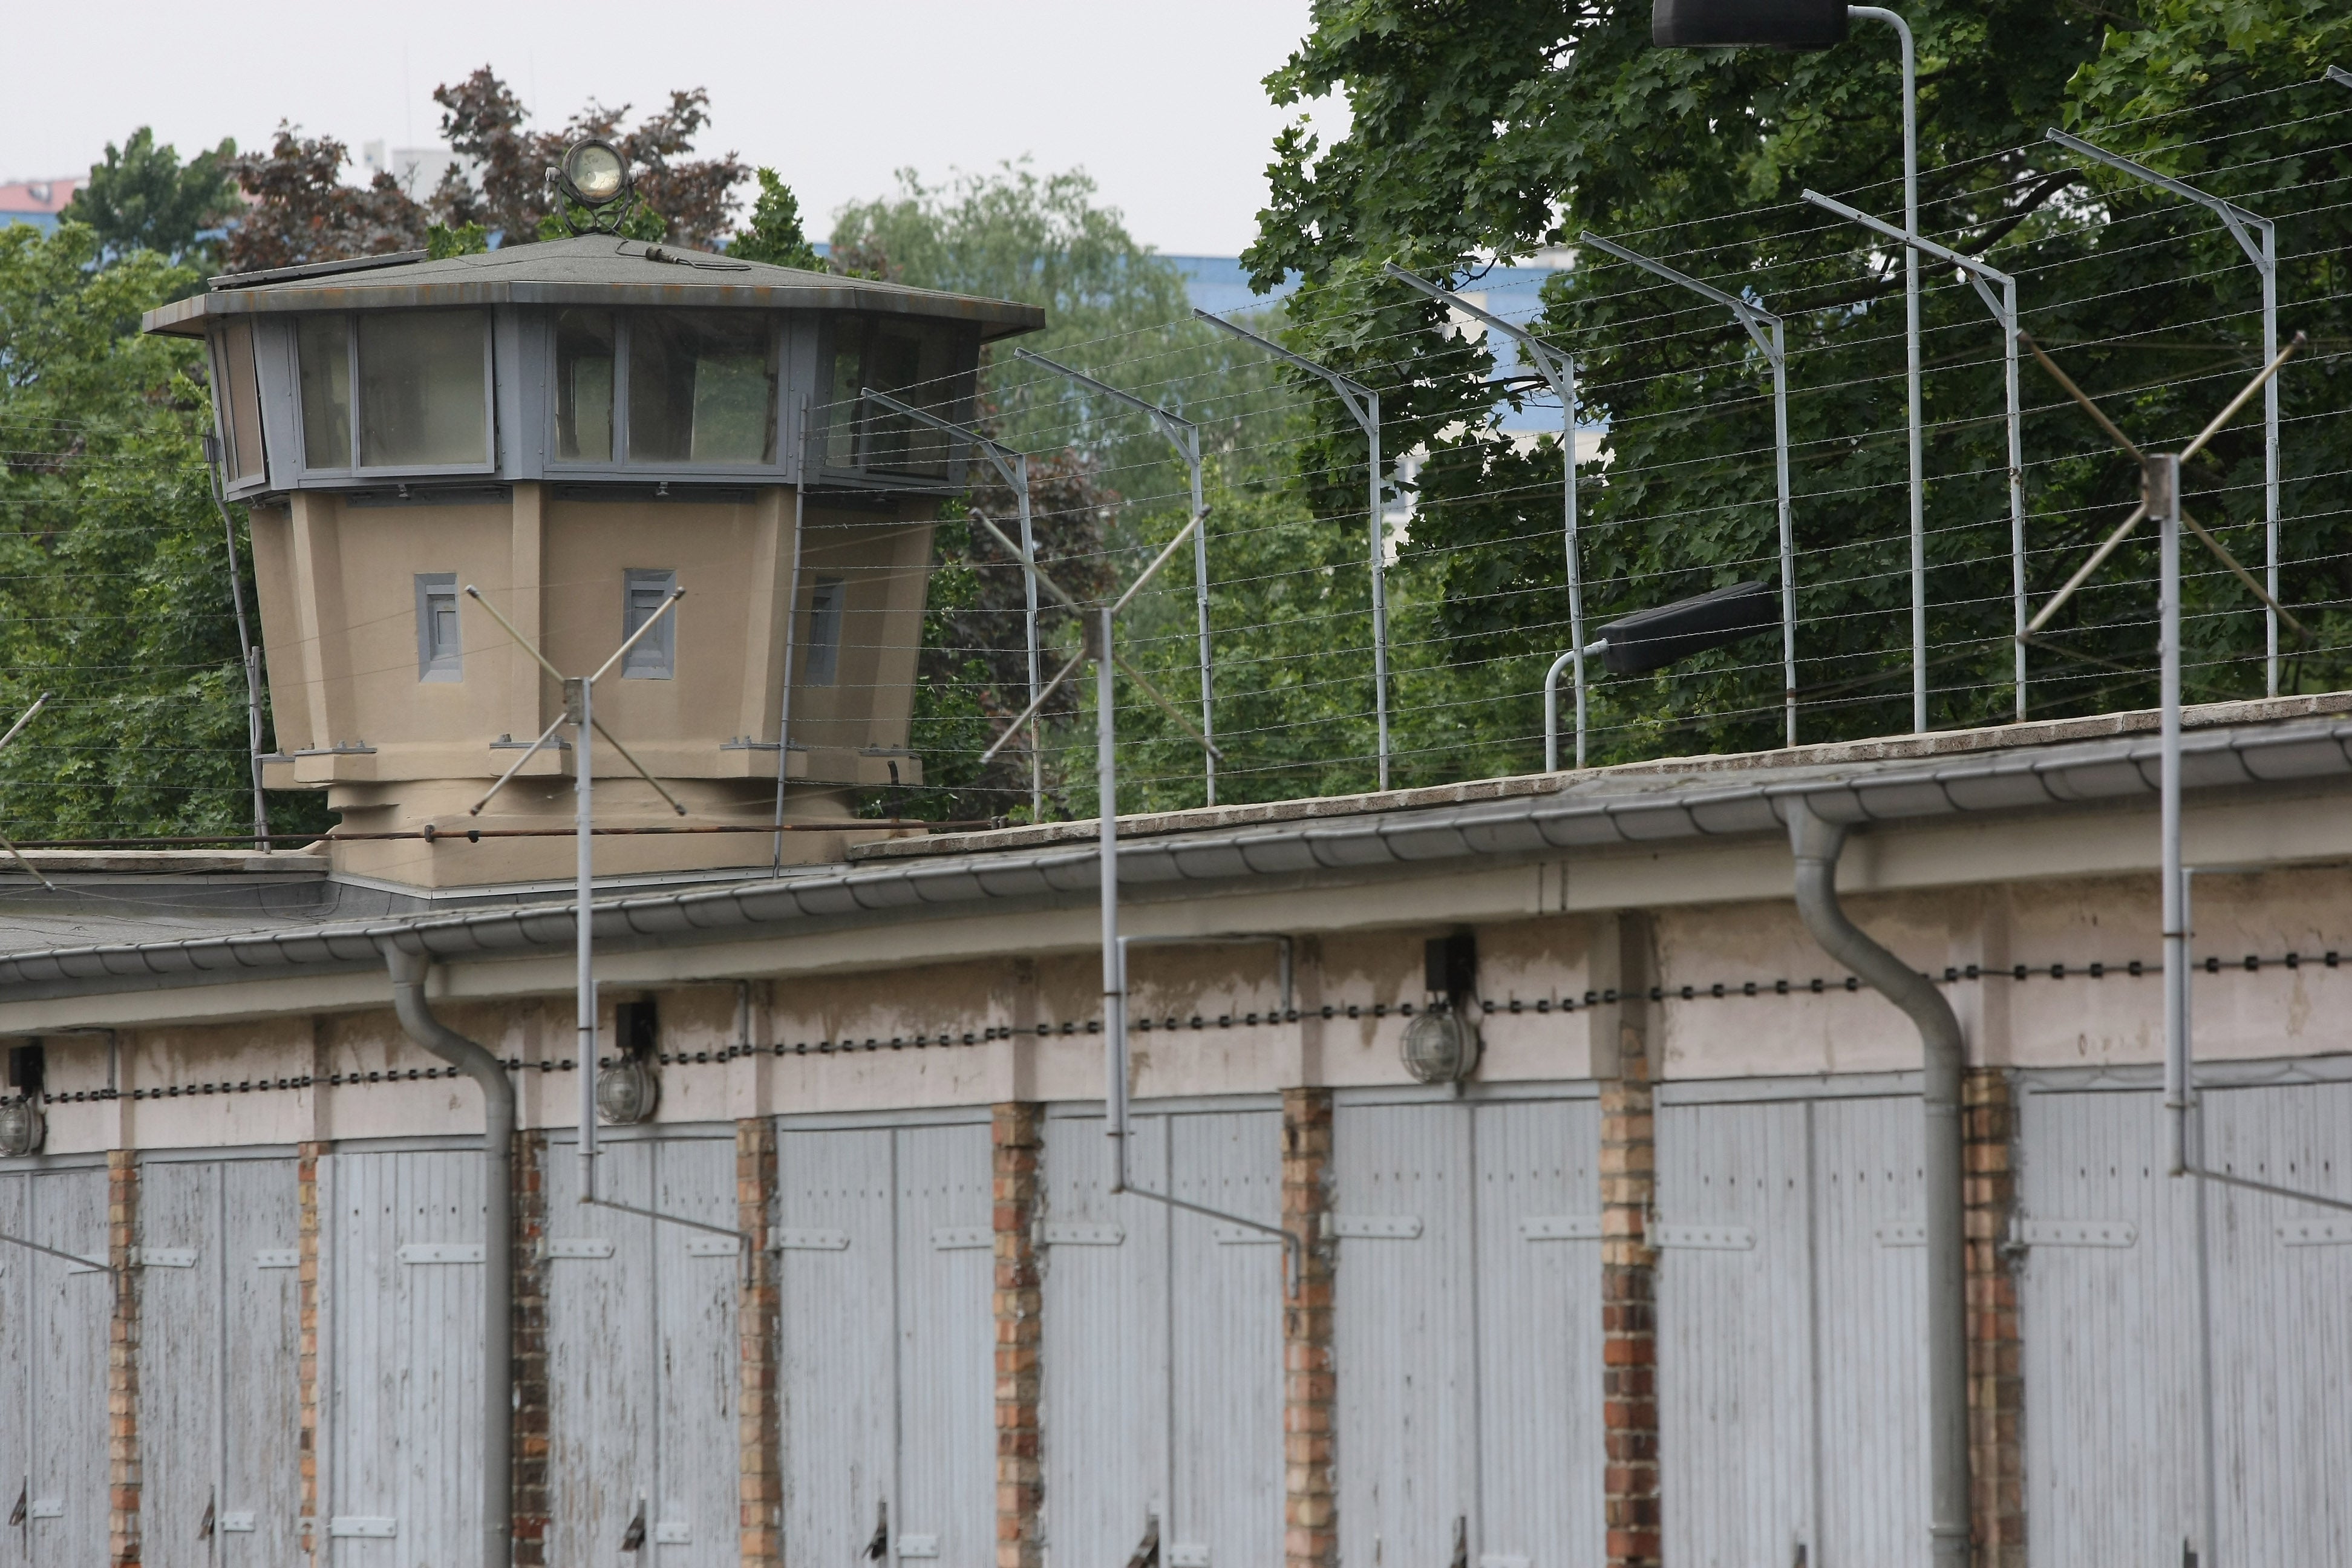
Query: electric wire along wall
pixel 1472 625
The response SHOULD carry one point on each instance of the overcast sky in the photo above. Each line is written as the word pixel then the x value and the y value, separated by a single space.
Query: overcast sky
pixel 1162 104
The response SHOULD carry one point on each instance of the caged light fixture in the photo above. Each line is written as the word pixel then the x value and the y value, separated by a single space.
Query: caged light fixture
pixel 593 177
pixel 1441 1043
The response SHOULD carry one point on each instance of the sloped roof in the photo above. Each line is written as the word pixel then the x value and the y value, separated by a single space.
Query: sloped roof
pixel 589 269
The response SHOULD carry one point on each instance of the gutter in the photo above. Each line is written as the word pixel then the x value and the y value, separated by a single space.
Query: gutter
pixel 1816 845
pixel 408 972
pixel 1582 814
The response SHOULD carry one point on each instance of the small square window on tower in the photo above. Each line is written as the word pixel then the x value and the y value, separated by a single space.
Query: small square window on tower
pixel 824 665
pixel 655 655
pixel 438 654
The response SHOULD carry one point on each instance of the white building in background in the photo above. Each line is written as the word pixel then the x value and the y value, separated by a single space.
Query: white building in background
pixel 416 170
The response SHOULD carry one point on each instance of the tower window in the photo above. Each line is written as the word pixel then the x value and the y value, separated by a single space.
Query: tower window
pixel 655 657
pixel 824 665
pixel 438 652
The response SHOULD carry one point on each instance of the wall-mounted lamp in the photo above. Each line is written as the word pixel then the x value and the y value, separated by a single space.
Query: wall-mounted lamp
pixel 1441 1045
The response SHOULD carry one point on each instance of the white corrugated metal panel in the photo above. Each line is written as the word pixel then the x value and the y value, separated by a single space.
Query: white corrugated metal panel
pixel 54 1321
pixel 1106 1343
pixel 1540 1449
pixel 261 1463
pixel 70 1309
pixel 15 1332
pixel 1106 1317
pixel 1871 1294
pixel 600 1365
pixel 696 1355
pixel 2283 1325
pixel 2111 1330
pixel 947 1344
pixel 406 1439
pixel 2110 1337
pixel 181 1385
pixel 1407 1417
pixel 839 1375
pixel 1226 1341
pixel 1735 1349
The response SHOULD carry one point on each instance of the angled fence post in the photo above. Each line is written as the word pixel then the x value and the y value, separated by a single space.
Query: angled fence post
pixel 1558 371
pixel 1983 280
pixel 1363 405
pixel 1764 329
pixel 2258 237
pixel 1013 468
pixel 1185 436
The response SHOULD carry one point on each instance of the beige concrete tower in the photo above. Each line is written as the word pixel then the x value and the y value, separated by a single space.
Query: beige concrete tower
pixel 575 427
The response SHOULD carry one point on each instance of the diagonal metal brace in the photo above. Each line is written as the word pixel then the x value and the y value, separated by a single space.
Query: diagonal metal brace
pixel 1167 707
pixel 1023 557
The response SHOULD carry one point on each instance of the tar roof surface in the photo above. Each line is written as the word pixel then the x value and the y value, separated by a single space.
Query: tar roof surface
pixel 590 269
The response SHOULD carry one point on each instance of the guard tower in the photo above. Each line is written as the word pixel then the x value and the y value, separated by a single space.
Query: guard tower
pixel 575 427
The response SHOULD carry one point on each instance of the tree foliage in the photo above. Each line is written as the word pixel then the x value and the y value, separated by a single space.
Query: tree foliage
pixel 113 567
pixel 142 197
pixel 298 209
pixel 774 235
pixel 484 121
pixel 1487 130
pixel 1108 485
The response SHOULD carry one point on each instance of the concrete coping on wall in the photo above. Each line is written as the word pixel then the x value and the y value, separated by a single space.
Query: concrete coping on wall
pixel 1599 811
pixel 1826 754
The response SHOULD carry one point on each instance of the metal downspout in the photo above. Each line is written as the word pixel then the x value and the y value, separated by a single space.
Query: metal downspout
pixel 408 972
pixel 1816 845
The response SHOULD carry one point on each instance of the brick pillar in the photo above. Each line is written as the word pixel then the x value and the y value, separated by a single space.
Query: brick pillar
pixel 123 1461
pixel 305 1190
pixel 1629 1374
pixel 1996 1379
pixel 1309 1378
pixel 531 1433
pixel 758 1326
pixel 1017 1138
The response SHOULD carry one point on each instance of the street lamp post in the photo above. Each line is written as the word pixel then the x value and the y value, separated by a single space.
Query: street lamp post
pixel 1808 24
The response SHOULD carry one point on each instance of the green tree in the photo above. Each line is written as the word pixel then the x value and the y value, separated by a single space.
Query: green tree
pixel 774 235
pixel 142 197
pixel 114 571
pixel 1107 482
pixel 1489 131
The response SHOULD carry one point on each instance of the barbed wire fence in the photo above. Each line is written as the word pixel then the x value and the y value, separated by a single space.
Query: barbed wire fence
pixel 2138 292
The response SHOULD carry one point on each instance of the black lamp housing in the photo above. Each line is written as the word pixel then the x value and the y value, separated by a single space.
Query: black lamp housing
pixel 1793 25
pixel 585 150
pixel 1652 639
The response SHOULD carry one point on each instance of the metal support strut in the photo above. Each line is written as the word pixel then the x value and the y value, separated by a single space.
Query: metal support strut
pixel 1764 329
pixel 1363 405
pixel 1984 279
pixel 1558 370
pixel 1185 436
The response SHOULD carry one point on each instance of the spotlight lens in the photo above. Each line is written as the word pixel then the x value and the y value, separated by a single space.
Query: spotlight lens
pixel 596 171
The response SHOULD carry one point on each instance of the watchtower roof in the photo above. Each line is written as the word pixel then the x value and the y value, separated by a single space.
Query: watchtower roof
pixel 590 270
